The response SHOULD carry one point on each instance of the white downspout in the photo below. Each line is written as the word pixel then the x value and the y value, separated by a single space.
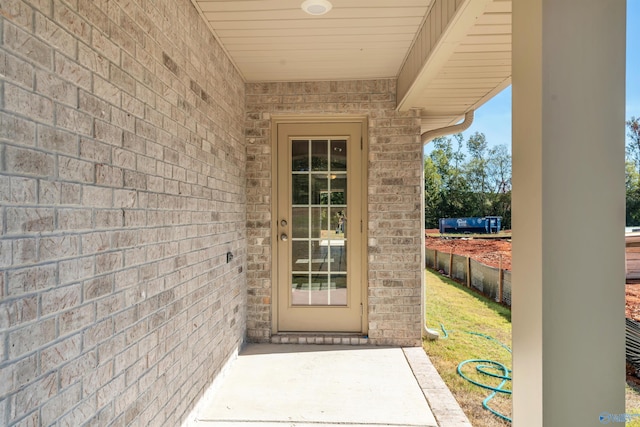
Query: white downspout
pixel 426 137
pixel 449 130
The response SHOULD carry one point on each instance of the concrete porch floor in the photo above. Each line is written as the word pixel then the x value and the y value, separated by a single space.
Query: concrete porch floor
pixel 311 385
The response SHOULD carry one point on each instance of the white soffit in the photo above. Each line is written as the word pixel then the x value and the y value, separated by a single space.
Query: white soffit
pixel 467 62
pixel 478 68
pixel 275 40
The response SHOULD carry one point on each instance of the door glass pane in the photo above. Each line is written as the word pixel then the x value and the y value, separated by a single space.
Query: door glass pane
pixel 319 255
pixel 319 189
pixel 300 190
pixel 338 256
pixel 300 289
pixel 338 189
pixel 338 155
pixel 319 155
pixel 300 255
pixel 319 223
pixel 300 155
pixel 338 290
pixel 339 221
pixel 300 222
pixel 319 289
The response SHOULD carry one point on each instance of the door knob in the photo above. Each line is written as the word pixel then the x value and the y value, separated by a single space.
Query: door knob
pixel 284 237
pixel 283 223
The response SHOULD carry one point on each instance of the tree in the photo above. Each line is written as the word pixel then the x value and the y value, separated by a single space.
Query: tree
pixel 445 170
pixel 632 172
pixel 432 194
pixel 633 146
pixel 477 174
pixel 457 187
pixel 499 177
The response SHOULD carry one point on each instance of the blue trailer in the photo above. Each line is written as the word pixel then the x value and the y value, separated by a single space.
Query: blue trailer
pixel 484 225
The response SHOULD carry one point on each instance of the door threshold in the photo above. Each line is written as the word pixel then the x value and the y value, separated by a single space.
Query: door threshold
pixel 335 338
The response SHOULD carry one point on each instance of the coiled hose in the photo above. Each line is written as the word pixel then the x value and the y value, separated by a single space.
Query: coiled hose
pixel 489 368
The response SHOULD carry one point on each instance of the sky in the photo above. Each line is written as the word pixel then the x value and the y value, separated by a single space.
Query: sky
pixel 493 119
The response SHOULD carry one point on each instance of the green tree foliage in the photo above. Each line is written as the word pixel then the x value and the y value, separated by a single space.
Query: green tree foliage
pixel 460 185
pixel 481 185
pixel 632 172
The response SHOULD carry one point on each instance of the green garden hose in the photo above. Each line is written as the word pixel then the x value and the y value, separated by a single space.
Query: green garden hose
pixel 482 367
pixel 489 368
pixel 444 331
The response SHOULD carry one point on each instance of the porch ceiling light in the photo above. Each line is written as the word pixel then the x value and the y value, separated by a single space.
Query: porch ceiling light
pixel 316 7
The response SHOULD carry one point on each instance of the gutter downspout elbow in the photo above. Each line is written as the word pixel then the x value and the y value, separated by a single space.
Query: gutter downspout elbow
pixel 449 130
pixel 426 137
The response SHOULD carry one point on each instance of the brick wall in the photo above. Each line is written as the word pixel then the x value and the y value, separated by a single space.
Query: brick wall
pixel 395 215
pixel 122 187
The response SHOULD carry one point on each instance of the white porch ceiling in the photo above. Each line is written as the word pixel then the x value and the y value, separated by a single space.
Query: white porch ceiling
pixel 456 53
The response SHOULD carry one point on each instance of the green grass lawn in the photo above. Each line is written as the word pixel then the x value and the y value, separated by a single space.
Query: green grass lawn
pixel 461 311
pixel 632 394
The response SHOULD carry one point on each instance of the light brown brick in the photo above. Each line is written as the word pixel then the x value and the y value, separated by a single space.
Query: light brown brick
pixel 76 318
pixel 51 139
pixel 60 404
pixel 100 67
pixel 124 158
pixel 122 80
pixel 108 133
pixel 109 218
pixel 58 247
pixel 61 299
pixel 94 61
pixel 66 18
pixel 19 13
pixel 72 169
pixel 97 196
pixel 73 72
pixel 24 251
pixel 17 130
pixel 32 337
pixel 95 376
pixel 23 191
pixel 59 353
pixel 57 37
pixel 70 193
pixel 105 307
pixel 74 120
pixel 32 396
pixel 107 262
pixel 76 269
pixel 74 219
pixel 95 242
pixel 97 333
pixel 107 91
pixel 76 369
pixel 95 151
pixel 106 47
pixel 16 70
pixel 94 106
pixel 98 287
pixel 23 44
pixel 29 104
pixel 17 311
pixel 79 415
pixel 29 220
pixel 108 175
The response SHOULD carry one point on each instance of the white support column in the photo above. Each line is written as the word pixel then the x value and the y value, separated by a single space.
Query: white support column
pixel 568 211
